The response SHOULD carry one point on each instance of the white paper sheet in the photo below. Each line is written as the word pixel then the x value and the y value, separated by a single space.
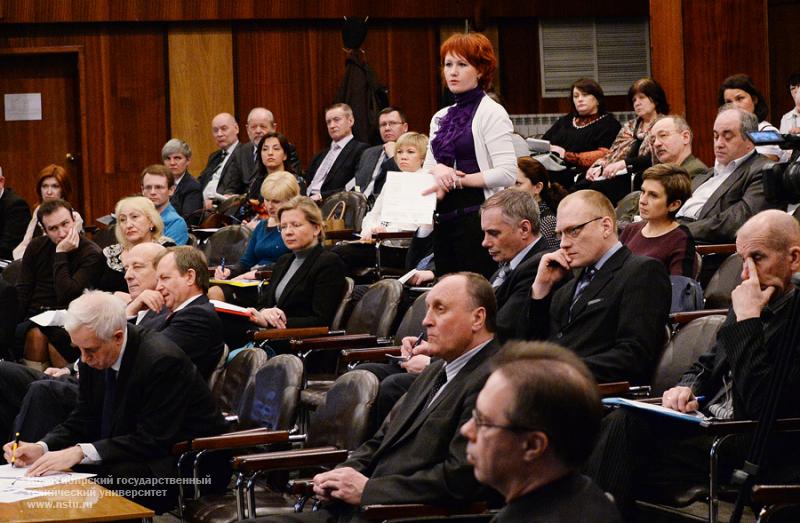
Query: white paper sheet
pixel 13 495
pixel 403 201
pixel 14 478
pixel 50 318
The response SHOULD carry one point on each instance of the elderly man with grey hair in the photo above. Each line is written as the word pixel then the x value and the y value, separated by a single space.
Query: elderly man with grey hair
pixel 733 191
pixel 188 196
pixel 139 395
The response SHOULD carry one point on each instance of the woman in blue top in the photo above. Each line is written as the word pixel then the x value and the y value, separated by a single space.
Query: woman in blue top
pixel 265 245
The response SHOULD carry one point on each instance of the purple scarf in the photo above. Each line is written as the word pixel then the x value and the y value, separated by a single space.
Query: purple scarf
pixel 454 124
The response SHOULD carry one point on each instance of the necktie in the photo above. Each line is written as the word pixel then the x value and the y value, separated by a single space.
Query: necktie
pixel 322 172
pixel 372 185
pixel 108 403
pixel 502 274
pixel 255 154
pixel 438 383
pixel 586 279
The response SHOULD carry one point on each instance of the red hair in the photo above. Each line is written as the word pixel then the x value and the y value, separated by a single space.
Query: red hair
pixel 476 49
pixel 60 174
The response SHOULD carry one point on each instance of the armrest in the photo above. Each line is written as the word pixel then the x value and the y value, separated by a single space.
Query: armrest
pixel 721 427
pixel 185 446
pixel 773 494
pixel 399 235
pixel 266 274
pixel 613 389
pixel 370 354
pixel 290 459
pixel 719 248
pixel 682 318
pixel 245 438
pixel 346 341
pixel 344 234
pixel 301 487
pixel 295 333
pixel 382 512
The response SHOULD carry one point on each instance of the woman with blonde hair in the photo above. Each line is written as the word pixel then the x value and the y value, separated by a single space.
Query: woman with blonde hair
pixel 138 221
pixel 307 284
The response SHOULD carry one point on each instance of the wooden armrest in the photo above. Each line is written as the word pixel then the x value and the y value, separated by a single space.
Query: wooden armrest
pixel 301 487
pixel 294 333
pixel 399 235
pixel 682 318
pixel 368 354
pixel 266 274
pixel 245 438
pixel 719 248
pixel 290 459
pixel 773 494
pixel 613 389
pixel 415 510
pixel 344 234
pixel 346 341
pixel 185 446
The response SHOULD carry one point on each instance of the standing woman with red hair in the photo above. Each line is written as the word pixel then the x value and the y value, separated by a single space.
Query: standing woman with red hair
pixel 470 155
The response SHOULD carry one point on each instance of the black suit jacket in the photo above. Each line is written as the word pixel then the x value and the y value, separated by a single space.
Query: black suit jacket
pixel 197 330
pixel 618 322
pixel 160 399
pixel 214 160
pixel 342 170
pixel 188 197
pixel 740 197
pixel 515 293
pixel 366 166
pixel 419 455
pixel 312 296
pixel 14 218
pixel 239 170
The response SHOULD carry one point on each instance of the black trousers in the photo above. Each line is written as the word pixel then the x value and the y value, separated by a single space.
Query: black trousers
pixel 457 247
pixel 47 404
pixel 14 382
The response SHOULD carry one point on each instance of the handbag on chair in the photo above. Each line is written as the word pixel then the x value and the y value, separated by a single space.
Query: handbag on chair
pixel 335 220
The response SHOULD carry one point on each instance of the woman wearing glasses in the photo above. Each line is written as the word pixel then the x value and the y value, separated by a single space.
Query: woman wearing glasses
pixel 307 284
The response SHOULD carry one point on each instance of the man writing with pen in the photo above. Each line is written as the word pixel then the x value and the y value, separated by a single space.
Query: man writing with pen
pixel 638 451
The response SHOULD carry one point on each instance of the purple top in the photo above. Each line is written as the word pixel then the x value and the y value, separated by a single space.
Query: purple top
pixel 453 144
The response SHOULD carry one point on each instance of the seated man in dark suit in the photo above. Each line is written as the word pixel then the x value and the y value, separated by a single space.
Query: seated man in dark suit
pixel 511 234
pixel 418 456
pixel 14 217
pixel 391 124
pixel 637 452
pixel 334 166
pixel 187 199
pixel 225 131
pixel 613 315
pixel 727 195
pixel 535 422
pixel 56 268
pixel 8 317
pixel 139 395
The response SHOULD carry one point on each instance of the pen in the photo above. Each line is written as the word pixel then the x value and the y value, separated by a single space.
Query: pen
pixel 700 399
pixel 222 264
pixel 14 448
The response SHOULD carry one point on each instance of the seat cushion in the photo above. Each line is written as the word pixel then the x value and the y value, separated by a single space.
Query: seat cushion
pixel 314 394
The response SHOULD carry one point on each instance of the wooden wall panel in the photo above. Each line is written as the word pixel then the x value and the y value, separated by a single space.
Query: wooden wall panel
pixel 200 85
pixel 666 51
pixel 295 71
pixel 48 11
pixel 125 86
pixel 784 48
pixel 720 39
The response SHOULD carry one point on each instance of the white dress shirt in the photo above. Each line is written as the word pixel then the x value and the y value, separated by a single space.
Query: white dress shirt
pixel 693 206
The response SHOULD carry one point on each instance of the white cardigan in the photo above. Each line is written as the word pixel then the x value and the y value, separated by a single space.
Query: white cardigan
pixel 494 149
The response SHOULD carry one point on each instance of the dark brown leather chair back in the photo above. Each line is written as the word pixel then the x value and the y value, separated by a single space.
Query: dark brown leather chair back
pixel 344 419
pixel 340 317
pixel 692 340
pixel 354 211
pixel 729 275
pixel 276 394
pixel 233 390
pixel 229 242
pixel 376 310
pixel 11 274
pixel 411 325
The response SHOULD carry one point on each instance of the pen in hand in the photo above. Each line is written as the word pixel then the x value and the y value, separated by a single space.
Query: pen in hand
pixel 14 449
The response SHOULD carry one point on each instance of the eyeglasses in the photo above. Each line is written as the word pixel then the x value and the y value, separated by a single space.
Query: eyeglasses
pixel 479 421
pixel 390 124
pixel 575 231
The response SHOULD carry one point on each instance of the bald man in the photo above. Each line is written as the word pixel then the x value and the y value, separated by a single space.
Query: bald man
pixel 649 452
pixel 613 314
pixel 225 131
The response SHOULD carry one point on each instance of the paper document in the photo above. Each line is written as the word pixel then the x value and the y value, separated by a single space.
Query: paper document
pixel 50 318
pixel 13 495
pixel 14 478
pixel 407 276
pixel 229 308
pixel 237 283
pixel 403 201
pixel 694 417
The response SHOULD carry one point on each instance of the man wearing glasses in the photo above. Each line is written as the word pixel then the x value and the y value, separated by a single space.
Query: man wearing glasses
pixel 380 158
pixel 533 426
pixel 613 313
